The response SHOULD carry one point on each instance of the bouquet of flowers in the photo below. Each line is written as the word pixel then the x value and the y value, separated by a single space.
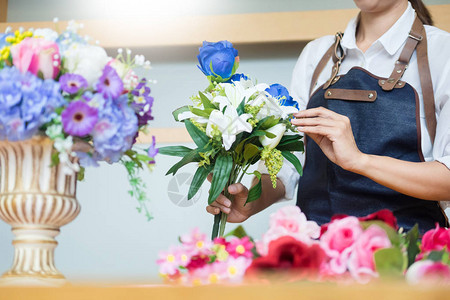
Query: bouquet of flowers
pixel 92 106
pixel 199 261
pixel 348 249
pixel 234 123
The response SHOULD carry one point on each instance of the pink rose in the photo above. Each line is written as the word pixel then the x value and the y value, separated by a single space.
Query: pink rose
pixel 361 263
pixel 37 55
pixel 289 221
pixel 436 239
pixel 338 241
pixel 428 271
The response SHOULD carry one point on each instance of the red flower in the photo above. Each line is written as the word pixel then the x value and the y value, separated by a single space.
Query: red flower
pixel 198 261
pixel 436 239
pixel 289 255
pixel 384 215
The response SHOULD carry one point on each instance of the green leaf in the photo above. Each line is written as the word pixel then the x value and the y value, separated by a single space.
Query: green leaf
pixel 206 102
pixel 293 160
pixel 199 177
pixel 292 146
pixel 80 175
pixel 174 150
pixel 389 261
pixel 250 151
pixel 221 175
pixel 255 192
pixel 178 111
pixel 267 123
pixel 270 135
pixel 412 239
pixel 192 156
pixel 201 112
pixel 436 256
pixel 238 232
pixel 241 106
pixel 199 137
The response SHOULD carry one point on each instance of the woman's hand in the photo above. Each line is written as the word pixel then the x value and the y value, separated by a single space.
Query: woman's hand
pixel 235 209
pixel 333 133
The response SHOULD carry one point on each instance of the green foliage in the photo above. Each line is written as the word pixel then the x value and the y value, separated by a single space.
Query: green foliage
pixel 412 247
pixel 293 160
pixel 199 137
pixel 178 111
pixel 137 185
pixel 255 191
pixel 199 177
pixel 221 175
pixel 390 262
pixel 394 237
pixel 291 143
pixel 174 150
pixel 250 151
pixel 192 156
pixel 238 232
pixel 80 174
pixel 206 102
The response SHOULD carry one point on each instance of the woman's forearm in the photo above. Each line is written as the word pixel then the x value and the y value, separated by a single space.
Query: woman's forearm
pixel 423 180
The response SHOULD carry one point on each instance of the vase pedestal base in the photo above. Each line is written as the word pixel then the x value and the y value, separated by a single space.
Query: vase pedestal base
pixel 6 281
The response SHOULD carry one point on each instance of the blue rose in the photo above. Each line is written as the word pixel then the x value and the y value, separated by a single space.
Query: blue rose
pixel 237 77
pixel 278 91
pixel 218 60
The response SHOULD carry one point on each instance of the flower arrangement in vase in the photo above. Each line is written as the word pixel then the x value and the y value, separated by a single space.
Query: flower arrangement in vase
pixel 65 105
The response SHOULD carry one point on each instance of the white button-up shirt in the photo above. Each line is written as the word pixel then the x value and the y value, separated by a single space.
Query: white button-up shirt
pixel 380 60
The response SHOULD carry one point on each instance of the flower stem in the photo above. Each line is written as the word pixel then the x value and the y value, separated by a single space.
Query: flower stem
pixel 223 222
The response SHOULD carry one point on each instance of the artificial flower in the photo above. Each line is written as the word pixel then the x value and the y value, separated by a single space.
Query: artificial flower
pixel 109 84
pixel 428 271
pixel 278 130
pixel 37 56
pixel 227 124
pixel 79 119
pixel 217 59
pixel 72 83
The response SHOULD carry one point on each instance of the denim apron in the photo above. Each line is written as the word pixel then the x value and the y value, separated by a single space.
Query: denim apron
pixel 384 116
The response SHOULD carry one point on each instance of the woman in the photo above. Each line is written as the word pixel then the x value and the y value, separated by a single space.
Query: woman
pixel 377 130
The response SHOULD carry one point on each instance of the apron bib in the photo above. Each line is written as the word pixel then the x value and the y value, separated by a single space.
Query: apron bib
pixel 384 115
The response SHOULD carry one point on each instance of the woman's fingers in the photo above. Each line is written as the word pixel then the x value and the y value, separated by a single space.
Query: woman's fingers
pixel 237 188
pixel 314 122
pixel 317 112
pixel 213 210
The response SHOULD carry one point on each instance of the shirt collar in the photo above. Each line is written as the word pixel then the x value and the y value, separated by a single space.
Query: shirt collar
pixel 391 40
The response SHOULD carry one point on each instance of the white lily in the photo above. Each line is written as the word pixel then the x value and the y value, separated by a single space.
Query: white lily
pixel 229 124
pixel 278 130
pixel 271 107
pixel 191 116
pixel 236 92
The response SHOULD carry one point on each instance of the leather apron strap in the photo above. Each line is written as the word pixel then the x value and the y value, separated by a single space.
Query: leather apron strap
pixel 417 41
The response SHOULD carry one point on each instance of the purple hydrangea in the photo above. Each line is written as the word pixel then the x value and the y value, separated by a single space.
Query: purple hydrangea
pixel 142 103
pixel 110 84
pixel 79 118
pixel 72 83
pixel 152 150
pixel 115 130
pixel 26 103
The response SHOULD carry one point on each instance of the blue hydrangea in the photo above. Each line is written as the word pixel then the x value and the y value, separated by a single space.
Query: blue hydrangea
pixel 26 103
pixel 116 129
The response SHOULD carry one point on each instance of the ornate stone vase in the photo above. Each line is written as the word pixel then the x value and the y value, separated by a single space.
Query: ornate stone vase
pixel 36 199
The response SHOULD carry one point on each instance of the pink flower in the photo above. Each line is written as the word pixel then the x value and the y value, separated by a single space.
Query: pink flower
pixel 240 247
pixel 169 261
pixel 428 271
pixel 288 221
pixel 361 263
pixel 436 239
pixel 197 243
pixel 338 241
pixel 37 55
